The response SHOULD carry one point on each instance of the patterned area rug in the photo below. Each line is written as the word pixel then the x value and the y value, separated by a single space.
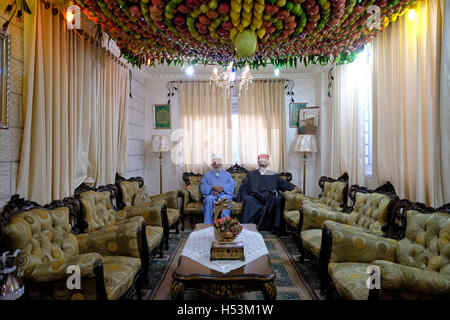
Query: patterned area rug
pixel 294 281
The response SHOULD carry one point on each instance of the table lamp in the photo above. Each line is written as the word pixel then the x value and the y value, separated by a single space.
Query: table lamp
pixel 305 143
pixel 161 143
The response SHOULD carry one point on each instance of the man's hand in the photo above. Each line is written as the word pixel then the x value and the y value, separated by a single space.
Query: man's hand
pixel 219 189
pixel 298 189
pixel 215 193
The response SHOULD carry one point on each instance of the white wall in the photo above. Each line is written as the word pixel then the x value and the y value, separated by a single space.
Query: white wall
pixel 310 88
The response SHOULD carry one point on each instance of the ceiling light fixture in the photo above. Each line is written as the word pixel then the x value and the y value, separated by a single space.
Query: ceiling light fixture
pixel 276 72
pixel 229 78
pixel 190 70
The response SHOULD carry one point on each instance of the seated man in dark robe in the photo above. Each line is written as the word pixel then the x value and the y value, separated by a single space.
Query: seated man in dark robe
pixel 255 194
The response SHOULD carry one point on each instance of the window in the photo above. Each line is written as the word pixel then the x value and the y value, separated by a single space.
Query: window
pixel 365 103
pixel 235 127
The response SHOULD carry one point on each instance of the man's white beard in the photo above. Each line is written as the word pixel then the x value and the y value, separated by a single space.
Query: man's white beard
pixel 217 170
pixel 262 170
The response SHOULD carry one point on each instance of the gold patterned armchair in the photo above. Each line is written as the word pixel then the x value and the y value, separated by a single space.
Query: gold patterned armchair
pixel 414 264
pixel 132 193
pixel 192 198
pixel 98 214
pixel 43 234
pixel 333 196
pixel 370 213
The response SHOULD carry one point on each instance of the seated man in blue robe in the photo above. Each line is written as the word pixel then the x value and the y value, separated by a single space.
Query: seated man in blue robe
pixel 258 206
pixel 216 184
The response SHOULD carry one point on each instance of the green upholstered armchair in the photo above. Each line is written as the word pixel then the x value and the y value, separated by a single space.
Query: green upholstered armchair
pixel 333 197
pixel 414 265
pixel 193 198
pixel 98 214
pixel 370 213
pixel 48 247
pixel 132 195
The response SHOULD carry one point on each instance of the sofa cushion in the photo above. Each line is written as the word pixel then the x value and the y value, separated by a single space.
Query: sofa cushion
pixel 292 217
pixel 119 273
pixel 294 200
pixel 196 208
pixel 154 236
pixel 370 211
pixel 195 179
pixel 238 177
pixel 141 198
pixel 42 235
pixel 194 192
pixel 427 242
pixel 97 208
pixel 129 191
pixel 172 215
pixel 350 279
pixel 333 193
pixel 311 240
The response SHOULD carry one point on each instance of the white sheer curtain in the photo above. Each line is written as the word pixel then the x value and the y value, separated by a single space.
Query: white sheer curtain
pixel 262 124
pixel 351 92
pixel 407 135
pixel 75 104
pixel 205 125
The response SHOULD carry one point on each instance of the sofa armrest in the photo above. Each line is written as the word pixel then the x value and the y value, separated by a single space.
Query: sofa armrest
pixel 294 200
pixel 115 240
pixel 151 212
pixel 396 276
pixel 350 244
pixel 171 198
pixel 314 216
pixel 57 269
pixel 185 197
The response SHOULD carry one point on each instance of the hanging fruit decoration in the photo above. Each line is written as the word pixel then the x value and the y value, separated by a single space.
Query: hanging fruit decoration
pixel 254 32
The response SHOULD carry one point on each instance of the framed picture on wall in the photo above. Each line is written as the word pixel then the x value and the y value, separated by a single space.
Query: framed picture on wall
pixel 308 121
pixel 161 116
pixel 294 108
pixel 5 52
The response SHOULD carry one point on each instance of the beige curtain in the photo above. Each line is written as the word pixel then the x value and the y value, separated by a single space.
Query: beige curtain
pixel 351 92
pixel 444 114
pixel 262 125
pixel 406 131
pixel 75 116
pixel 205 125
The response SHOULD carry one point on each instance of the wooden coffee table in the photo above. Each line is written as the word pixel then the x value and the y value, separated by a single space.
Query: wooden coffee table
pixel 254 276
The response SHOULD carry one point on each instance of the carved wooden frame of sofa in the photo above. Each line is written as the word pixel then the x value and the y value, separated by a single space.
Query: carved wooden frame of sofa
pixel 347 269
pixel 47 279
pixel 121 220
pixel 170 213
pixel 293 212
pixel 193 207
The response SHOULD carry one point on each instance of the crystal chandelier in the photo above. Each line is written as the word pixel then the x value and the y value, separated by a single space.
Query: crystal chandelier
pixel 229 78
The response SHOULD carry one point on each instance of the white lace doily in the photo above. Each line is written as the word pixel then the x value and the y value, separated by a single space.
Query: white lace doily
pixel 198 248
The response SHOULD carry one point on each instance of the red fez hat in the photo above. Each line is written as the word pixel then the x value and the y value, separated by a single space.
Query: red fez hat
pixel 265 156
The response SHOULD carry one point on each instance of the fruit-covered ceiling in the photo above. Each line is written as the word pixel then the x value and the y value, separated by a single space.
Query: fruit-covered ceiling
pixel 254 32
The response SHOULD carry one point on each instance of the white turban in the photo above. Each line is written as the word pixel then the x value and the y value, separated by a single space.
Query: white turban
pixel 216 156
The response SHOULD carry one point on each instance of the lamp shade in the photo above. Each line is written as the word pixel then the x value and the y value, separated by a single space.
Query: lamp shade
pixel 161 143
pixel 305 143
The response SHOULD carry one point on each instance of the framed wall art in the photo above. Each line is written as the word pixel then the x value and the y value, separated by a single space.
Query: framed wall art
pixel 5 62
pixel 308 121
pixel 294 108
pixel 161 116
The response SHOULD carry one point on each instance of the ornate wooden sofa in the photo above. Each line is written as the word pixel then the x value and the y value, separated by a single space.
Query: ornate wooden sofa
pixel 131 193
pixel 370 213
pixel 334 196
pixel 98 213
pixel 192 198
pixel 49 242
pixel 413 259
